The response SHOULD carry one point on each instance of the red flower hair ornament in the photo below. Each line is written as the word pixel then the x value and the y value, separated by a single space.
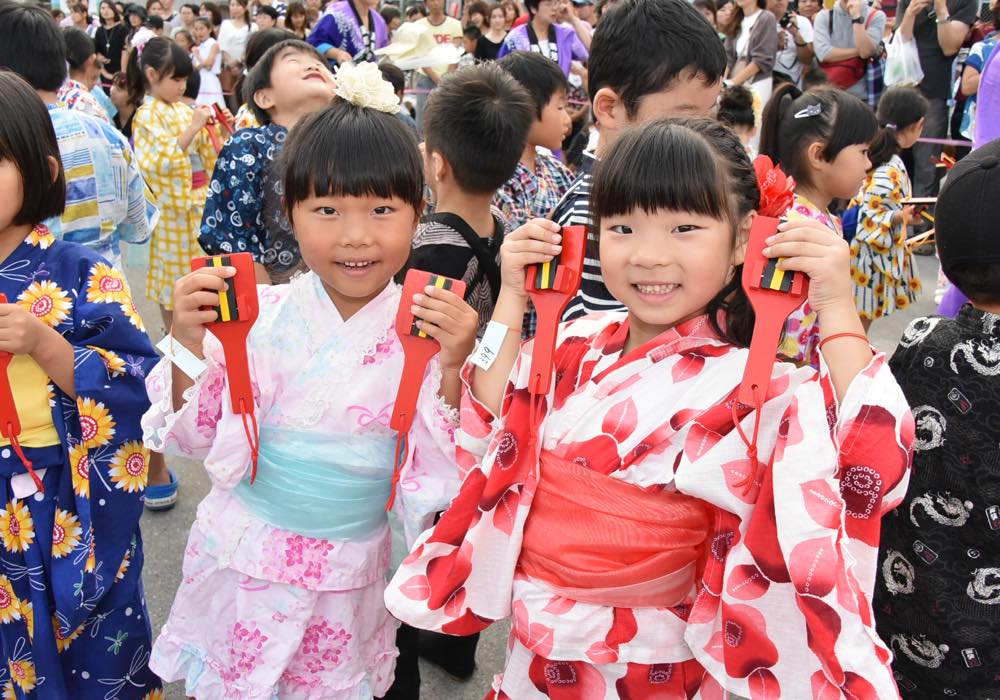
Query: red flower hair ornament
pixel 777 190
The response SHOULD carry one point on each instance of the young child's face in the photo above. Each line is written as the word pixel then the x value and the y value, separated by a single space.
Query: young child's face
pixel 908 136
pixel 665 267
pixel 11 192
pixel 200 32
pixel 354 244
pixel 554 125
pixel 469 44
pixel 167 88
pixel 183 41
pixel 842 177
pixel 300 82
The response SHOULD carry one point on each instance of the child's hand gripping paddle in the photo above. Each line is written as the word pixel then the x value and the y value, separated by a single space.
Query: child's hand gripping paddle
pixel 418 349
pixel 237 309
pixel 10 424
pixel 551 286
pixel 774 295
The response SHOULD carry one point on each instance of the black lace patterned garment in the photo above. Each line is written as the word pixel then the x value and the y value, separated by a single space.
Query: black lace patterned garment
pixel 937 596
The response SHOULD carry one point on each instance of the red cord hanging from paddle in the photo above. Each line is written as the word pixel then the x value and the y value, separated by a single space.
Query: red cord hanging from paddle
pixel 237 311
pixel 10 424
pixel 774 295
pixel 418 349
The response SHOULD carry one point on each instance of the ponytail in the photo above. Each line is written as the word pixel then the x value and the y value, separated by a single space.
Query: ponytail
pixel 900 108
pixel 771 118
pixel 163 56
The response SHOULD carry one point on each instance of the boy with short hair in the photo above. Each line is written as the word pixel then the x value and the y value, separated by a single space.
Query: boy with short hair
pixel 649 59
pixel 243 211
pixel 937 595
pixel 477 108
pixel 470 38
pixel 393 74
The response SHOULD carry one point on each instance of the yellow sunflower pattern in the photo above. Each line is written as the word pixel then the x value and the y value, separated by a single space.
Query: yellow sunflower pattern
pixel 154 695
pixel 41 237
pixel 28 610
pixel 97 426
pixel 131 312
pixel 130 467
pixel 10 605
pixel 882 268
pixel 23 674
pixel 16 527
pixel 79 462
pixel 63 640
pixel 65 533
pixel 123 567
pixel 8 691
pixel 107 285
pixel 47 302
pixel 112 361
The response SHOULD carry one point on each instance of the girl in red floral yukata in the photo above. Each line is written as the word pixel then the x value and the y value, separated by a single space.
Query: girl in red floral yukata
pixel 639 550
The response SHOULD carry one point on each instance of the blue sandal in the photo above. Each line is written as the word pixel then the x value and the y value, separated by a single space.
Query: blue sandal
pixel 162 496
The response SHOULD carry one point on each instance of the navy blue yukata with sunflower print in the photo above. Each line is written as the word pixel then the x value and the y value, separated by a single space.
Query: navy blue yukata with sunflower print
pixel 73 620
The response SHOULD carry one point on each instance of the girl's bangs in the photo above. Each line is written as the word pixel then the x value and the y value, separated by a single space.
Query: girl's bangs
pixel 633 176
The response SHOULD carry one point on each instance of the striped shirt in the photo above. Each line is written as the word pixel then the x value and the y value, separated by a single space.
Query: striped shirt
pixel 574 210
pixel 107 200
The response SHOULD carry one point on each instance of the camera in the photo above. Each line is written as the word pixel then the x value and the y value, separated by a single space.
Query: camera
pixel 786 19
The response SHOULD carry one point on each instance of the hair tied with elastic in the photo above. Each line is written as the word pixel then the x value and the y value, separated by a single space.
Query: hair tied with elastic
pixel 777 190
pixel 363 86
pixel 812 110
pixel 140 40
pixel 890 125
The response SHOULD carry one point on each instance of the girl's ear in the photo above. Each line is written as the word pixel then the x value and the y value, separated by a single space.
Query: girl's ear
pixel 152 76
pixel 54 167
pixel 814 155
pixel 743 238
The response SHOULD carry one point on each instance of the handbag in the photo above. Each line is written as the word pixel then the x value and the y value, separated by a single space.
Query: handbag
pixel 845 73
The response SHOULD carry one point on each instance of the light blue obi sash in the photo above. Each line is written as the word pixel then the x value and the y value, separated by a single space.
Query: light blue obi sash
pixel 327 486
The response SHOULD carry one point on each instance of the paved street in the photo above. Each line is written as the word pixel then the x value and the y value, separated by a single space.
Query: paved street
pixel 165 533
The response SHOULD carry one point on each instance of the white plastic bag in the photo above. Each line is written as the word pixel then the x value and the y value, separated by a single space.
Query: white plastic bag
pixel 902 62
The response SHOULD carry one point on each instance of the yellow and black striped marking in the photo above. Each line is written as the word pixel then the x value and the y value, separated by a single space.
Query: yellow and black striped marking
pixel 773 278
pixel 545 274
pixel 227 308
pixel 433 281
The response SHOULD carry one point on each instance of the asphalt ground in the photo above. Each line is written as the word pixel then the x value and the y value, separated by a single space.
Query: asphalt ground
pixel 165 534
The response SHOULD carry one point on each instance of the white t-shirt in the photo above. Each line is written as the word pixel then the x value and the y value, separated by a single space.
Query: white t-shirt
pixel 743 38
pixel 445 33
pixel 233 39
pixel 787 59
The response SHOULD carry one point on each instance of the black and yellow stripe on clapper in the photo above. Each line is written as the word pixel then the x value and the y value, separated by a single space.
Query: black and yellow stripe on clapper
pixel 227 308
pixel 773 278
pixel 545 275
pixel 433 281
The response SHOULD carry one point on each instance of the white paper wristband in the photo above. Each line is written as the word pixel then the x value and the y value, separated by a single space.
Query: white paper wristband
pixel 185 360
pixel 489 347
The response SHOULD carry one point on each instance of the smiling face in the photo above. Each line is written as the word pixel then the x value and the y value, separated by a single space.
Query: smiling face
pixel 354 244
pixel 665 267
pixel 11 192
pixel 300 83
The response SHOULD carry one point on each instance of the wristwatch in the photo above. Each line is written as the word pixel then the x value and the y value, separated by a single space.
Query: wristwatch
pixel 857 20
pixel 944 20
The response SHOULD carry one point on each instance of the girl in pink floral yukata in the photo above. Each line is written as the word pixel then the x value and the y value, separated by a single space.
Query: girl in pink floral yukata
pixel 621 521
pixel 283 579
pixel 821 139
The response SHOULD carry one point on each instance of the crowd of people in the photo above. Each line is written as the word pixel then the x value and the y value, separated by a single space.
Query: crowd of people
pixel 648 533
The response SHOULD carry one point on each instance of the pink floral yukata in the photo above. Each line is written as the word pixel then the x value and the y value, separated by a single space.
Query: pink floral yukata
pixel 780 606
pixel 264 612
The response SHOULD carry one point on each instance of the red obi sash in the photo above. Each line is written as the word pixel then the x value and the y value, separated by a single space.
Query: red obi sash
pixel 596 539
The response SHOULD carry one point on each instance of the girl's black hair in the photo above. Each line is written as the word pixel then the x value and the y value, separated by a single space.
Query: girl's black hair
pixel 794 120
pixel 900 107
pixel 160 54
pixel 712 176
pixel 29 141
pixel 79 47
pixel 114 8
pixel 736 107
pixel 345 150
pixel 213 9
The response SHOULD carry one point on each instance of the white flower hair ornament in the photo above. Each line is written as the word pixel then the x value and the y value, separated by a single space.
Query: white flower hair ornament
pixel 363 86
